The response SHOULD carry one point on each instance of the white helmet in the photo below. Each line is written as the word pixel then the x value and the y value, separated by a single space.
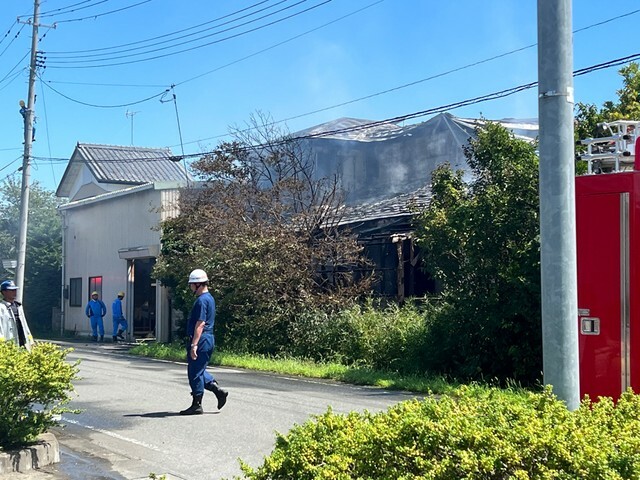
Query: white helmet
pixel 198 276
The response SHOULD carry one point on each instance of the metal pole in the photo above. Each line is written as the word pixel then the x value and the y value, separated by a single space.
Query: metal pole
pixel 26 163
pixel 557 201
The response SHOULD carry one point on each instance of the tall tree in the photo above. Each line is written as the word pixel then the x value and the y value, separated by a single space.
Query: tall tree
pixel 44 249
pixel 481 240
pixel 266 231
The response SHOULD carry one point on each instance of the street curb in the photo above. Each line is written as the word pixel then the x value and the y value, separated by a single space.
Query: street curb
pixel 44 452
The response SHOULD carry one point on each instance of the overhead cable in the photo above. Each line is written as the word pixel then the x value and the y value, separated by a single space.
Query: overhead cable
pixel 279 43
pixel 113 47
pixel 110 55
pixel 104 13
pixel 8 31
pixel 366 97
pixel 191 48
pixel 104 106
pixel 58 11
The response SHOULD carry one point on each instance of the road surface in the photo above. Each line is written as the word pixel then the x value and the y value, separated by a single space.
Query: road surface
pixel 129 426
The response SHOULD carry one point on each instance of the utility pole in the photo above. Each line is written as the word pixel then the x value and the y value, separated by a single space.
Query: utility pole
pixel 26 162
pixel 557 202
pixel 131 114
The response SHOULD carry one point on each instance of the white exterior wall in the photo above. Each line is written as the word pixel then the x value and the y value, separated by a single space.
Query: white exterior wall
pixel 95 230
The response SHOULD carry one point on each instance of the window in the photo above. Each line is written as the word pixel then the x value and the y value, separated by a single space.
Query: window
pixel 95 285
pixel 75 292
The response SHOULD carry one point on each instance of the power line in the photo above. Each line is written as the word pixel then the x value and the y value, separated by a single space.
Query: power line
pixel 103 106
pixel 57 11
pixel 104 13
pixel 9 31
pixel 11 163
pixel 108 56
pixel 436 110
pixel 438 75
pixel 12 40
pixel 128 85
pixel 15 66
pixel 13 77
pixel 168 34
pixel 186 49
pixel 46 125
pixel 279 43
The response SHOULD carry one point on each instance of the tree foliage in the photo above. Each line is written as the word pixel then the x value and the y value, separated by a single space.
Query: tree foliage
pixel 588 116
pixel 44 248
pixel 266 231
pixel 481 239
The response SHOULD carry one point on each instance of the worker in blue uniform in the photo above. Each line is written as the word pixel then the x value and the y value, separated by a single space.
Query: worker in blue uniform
pixel 119 322
pixel 200 344
pixel 95 310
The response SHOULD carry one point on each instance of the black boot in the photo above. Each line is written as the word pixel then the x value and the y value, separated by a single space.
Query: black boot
pixel 94 338
pixel 115 339
pixel 102 338
pixel 196 406
pixel 120 334
pixel 220 394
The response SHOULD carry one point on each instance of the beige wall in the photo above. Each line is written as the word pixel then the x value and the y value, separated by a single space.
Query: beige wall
pixel 95 230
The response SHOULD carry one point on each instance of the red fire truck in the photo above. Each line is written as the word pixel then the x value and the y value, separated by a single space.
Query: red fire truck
pixel 608 244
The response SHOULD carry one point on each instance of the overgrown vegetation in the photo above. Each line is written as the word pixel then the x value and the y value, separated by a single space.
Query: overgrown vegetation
pixel 481 240
pixel 35 386
pixel 265 229
pixel 478 433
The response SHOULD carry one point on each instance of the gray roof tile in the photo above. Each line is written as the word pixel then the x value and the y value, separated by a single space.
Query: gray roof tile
pixel 130 165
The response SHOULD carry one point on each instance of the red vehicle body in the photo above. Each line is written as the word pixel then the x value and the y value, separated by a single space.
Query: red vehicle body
pixel 608 248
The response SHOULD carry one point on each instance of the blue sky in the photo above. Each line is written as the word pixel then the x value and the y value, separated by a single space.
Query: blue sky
pixel 336 52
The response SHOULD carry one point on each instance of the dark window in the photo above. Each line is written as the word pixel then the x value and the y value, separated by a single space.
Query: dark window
pixel 95 285
pixel 75 292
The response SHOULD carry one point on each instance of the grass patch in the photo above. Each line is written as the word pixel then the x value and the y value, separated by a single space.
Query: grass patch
pixel 305 368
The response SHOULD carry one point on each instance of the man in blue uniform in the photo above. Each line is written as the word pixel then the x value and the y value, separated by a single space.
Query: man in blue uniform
pixel 95 310
pixel 119 322
pixel 200 345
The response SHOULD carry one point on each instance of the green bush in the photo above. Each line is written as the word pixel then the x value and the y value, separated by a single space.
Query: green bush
pixel 387 338
pixel 478 433
pixel 34 387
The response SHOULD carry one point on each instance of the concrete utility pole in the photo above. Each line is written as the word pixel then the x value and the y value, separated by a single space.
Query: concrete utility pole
pixel 26 162
pixel 557 201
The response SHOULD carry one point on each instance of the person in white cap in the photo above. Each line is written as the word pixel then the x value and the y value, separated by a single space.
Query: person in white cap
pixel 13 322
pixel 200 346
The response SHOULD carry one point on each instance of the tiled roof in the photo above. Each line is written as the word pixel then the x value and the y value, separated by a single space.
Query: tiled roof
pixel 399 205
pixel 130 165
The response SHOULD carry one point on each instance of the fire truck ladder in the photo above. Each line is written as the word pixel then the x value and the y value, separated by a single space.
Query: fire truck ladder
pixel 615 153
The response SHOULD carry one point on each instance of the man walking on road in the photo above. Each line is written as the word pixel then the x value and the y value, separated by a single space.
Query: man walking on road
pixel 200 345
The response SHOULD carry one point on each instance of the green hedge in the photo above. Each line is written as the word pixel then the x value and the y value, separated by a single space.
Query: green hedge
pixel 476 434
pixel 34 387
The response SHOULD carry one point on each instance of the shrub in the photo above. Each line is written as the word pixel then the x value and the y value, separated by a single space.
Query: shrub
pixel 475 434
pixel 387 338
pixel 40 377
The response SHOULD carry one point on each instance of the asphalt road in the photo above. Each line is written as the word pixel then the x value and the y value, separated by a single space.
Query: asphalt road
pixel 129 426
